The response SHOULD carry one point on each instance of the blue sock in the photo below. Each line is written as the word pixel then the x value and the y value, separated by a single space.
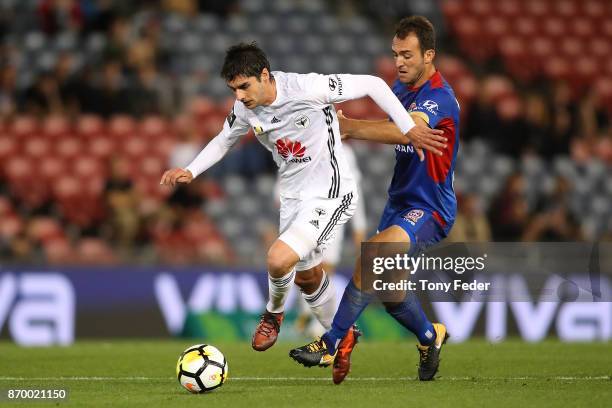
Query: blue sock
pixel 410 314
pixel 353 302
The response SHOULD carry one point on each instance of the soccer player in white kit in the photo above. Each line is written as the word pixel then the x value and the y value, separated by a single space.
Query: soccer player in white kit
pixel 293 116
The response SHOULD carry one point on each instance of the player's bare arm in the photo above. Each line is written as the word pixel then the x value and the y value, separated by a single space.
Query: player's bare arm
pixel 421 136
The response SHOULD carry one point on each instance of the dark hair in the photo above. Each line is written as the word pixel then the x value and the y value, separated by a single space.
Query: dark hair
pixel 244 59
pixel 419 26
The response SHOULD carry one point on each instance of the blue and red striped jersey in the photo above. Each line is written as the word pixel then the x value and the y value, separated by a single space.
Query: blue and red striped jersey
pixel 428 184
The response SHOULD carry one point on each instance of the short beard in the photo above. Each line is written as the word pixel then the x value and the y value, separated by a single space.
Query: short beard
pixel 417 77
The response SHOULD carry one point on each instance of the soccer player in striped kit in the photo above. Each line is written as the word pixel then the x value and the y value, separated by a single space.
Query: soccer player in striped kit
pixel 293 116
pixel 421 207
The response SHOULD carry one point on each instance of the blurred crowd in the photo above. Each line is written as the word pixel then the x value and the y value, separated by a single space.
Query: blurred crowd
pixel 128 219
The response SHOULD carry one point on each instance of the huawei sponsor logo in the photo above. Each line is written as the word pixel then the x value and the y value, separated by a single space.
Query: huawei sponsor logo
pixel 292 152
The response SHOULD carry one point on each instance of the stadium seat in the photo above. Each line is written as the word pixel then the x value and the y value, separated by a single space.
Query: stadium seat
pixel 69 148
pixel 89 126
pixel 56 126
pixel 24 126
pixel 36 147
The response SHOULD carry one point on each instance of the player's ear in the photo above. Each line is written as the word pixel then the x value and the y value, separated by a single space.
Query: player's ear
pixel 429 56
pixel 264 76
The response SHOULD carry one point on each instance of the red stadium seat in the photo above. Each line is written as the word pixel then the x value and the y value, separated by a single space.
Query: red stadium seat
pixel 135 147
pixel 24 126
pixel 69 148
pixel 496 27
pixel 554 27
pixel 385 68
pixel 201 105
pixel 572 47
pixel 88 168
pixel 452 9
pixel 541 48
pixel 45 229
pixel 19 168
pixel 525 26
pixel 605 27
pixel 557 67
pixel 101 147
pixel 90 126
pixel 56 126
pixel 510 8
pixel 538 8
pixel 480 8
pixel 36 147
pixel 594 8
pixel 58 251
pixel 8 148
pixel 94 251
pixel 600 48
pixel 582 27
pixel 6 207
pixel 52 167
pixel 121 127
pixel 566 9
pixel 10 227
pixel 153 126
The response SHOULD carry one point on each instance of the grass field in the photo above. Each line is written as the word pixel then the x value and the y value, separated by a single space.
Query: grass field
pixel 140 374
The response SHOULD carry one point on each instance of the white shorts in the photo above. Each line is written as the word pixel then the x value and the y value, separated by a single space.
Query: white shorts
pixel 333 252
pixel 308 226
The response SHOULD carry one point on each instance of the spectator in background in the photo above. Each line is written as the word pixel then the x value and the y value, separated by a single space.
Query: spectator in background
pixel 111 96
pixel 471 224
pixel 144 95
pixel 482 122
pixel 43 97
pixel 509 212
pixel 8 91
pixel 537 124
pixel 121 201
pixel 564 124
pixel 60 15
pixel 553 220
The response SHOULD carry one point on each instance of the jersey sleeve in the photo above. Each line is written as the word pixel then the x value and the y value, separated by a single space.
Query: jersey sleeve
pixel 233 128
pixel 336 88
pixel 435 107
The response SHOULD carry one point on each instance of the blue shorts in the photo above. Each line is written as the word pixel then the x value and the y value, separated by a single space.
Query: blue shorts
pixel 424 227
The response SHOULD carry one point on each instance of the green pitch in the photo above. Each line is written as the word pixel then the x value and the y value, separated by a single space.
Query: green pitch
pixel 141 374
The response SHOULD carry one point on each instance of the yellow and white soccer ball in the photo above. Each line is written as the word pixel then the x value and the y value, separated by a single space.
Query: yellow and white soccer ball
pixel 201 368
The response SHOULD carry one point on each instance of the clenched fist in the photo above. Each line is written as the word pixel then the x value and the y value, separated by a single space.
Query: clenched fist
pixel 173 176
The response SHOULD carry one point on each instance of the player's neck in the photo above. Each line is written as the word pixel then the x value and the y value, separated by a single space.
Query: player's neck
pixel 429 71
pixel 271 92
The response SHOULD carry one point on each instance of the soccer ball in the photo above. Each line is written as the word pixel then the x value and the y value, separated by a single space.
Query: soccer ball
pixel 201 368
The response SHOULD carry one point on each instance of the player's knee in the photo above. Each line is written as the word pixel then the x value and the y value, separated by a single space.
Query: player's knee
pixel 310 279
pixel 279 264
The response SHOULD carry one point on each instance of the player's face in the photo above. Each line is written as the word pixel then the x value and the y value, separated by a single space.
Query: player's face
pixel 409 60
pixel 248 90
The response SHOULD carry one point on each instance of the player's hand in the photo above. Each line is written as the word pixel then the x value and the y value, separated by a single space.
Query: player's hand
pixel 426 138
pixel 344 123
pixel 174 176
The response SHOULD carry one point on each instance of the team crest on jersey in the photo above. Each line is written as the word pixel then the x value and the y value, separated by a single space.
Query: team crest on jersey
pixel 292 152
pixel 413 216
pixel 431 106
pixel 258 129
pixel 301 121
pixel 231 118
pixel 320 212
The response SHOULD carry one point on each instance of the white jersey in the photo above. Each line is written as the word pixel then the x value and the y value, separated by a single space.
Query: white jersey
pixel 301 130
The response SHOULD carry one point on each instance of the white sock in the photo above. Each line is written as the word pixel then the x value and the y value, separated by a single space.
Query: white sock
pixel 322 302
pixel 278 289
